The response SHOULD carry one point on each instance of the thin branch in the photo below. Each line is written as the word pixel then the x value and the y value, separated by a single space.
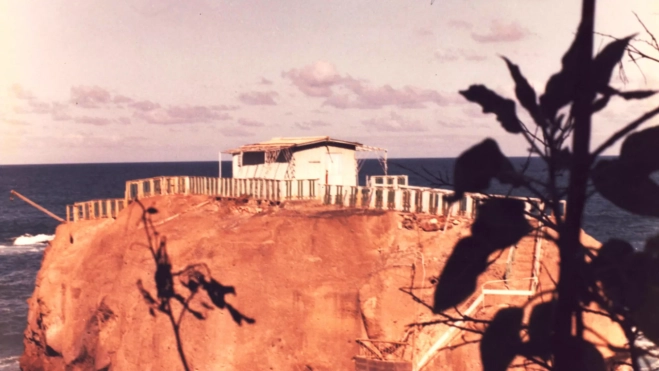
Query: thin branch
pixel 654 40
pixel 622 132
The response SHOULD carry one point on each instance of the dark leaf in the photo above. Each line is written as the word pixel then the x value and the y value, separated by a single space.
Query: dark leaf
pixel 599 104
pixel 501 222
pixel 637 94
pixel 501 343
pixel 524 92
pixel 164 281
pixel 626 181
pixel 238 317
pixel 561 87
pixel 540 330
pixel 584 356
pixel 478 165
pixel 458 278
pixel 652 247
pixel 491 102
pixel 606 60
pixel 646 315
pixel 198 315
pixel 145 294
pixel 216 291
pixel 152 210
pixel 621 273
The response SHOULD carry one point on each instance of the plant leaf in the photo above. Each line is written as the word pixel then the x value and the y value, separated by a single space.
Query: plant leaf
pixel 584 356
pixel 500 343
pixel 525 93
pixel 458 278
pixel 478 165
pixel 599 104
pixel 540 330
pixel 491 102
pixel 637 94
pixel 626 181
pixel 501 222
pixel 561 86
pixel 606 60
pixel 622 278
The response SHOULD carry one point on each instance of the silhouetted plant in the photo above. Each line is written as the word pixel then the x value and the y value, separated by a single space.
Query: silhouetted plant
pixel 194 278
pixel 622 282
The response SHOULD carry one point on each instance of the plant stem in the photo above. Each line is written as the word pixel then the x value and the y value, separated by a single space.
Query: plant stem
pixel 568 312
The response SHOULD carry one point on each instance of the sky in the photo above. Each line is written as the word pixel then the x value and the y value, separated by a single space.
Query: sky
pixel 168 80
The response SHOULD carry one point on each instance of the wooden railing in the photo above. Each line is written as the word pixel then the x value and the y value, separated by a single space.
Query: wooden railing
pixel 260 189
pixel 401 198
pixel 95 209
pixel 415 199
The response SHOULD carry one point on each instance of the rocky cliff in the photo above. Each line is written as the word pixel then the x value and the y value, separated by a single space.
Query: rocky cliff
pixel 189 282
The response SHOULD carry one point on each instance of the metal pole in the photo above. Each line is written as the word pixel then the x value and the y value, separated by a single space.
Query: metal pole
pixel 38 207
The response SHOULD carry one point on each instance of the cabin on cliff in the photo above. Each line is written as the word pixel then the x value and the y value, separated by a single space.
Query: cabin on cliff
pixel 331 161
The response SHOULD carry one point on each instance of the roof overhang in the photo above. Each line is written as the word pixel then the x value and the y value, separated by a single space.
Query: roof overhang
pixel 277 144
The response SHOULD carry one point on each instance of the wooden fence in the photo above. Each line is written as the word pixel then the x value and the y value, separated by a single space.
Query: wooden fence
pixel 95 209
pixel 401 198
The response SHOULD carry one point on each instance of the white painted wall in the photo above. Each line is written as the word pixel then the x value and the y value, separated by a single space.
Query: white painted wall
pixel 309 164
pixel 275 170
pixel 312 164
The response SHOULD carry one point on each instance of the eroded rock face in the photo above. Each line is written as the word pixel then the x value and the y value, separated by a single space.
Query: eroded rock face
pixel 100 302
pixel 226 286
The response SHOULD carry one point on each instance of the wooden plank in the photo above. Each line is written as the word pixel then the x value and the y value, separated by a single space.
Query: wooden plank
pixel 37 206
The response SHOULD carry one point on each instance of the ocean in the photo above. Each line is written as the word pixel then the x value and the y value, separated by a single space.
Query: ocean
pixel 24 231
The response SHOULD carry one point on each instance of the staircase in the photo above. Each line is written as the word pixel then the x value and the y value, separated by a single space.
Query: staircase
pixel 521 279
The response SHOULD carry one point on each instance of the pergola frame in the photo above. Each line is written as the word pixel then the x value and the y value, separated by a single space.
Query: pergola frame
pixel 381 153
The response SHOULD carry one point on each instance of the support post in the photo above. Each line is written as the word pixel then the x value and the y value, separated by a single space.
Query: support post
pixel 37 206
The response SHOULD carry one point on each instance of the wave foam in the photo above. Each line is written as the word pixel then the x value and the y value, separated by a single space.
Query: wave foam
pixel 27 239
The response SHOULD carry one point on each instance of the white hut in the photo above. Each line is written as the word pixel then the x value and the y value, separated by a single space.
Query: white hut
pixel 331 161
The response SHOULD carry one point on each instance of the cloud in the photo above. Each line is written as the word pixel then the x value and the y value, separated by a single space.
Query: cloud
pixel 123 120
pixel 257 98
pixel 315 80
pixel 59 112
pixel 118 99
pixel 19 92
pixel 33 106
pixel 308 125
pixel 145 105
pixel 322 80
pixel 501 32
pixel 180 115
pixel 460 24
pixel 451 55
pixel 97 121
pixel 423 32
pixel 265 81
pixel 394 123
pixel 450 125
pixel 89 96
pixel 224 107
pixel 250 123
pixel 373 98
pixel 236 132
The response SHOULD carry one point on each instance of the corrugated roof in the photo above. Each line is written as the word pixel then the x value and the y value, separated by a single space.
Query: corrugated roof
pixel 287 142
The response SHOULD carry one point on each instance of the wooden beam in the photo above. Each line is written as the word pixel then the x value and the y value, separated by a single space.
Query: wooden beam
pixel 37 206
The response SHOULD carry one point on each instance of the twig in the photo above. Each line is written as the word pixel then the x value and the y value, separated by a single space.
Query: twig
pixel 622 132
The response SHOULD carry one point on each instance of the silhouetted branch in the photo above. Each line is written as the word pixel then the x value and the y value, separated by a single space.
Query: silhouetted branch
pixel 622 132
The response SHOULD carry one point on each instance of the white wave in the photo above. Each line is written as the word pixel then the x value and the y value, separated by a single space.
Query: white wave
pixel 27 239
pixel 9 363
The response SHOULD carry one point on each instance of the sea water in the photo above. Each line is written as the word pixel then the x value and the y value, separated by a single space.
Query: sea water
pixel 25 231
